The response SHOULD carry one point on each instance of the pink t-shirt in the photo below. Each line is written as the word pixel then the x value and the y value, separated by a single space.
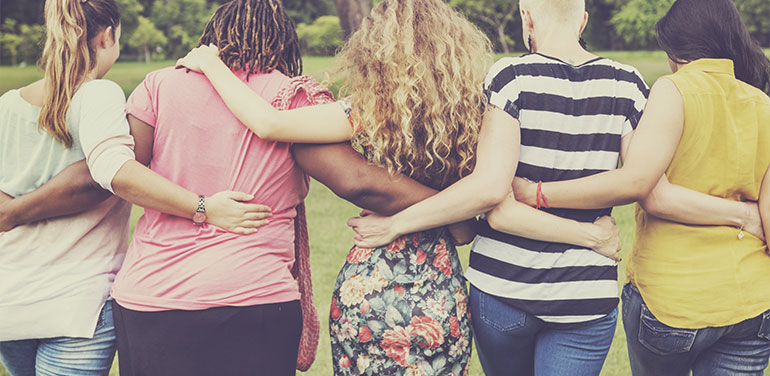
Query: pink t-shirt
pixel 200 145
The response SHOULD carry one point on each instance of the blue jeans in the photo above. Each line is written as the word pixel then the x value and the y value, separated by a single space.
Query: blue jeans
pixel 63 355
pixel 513 342
pixel 657 349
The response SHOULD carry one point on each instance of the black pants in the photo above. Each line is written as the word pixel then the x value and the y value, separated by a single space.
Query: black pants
pixel 226 341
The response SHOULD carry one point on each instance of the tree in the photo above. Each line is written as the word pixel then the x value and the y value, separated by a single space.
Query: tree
pixel 499 16
pixel 130 10
pixel 145 37
pixel 307 11
pixel 756 15
pixel 182 22
pixel 635 22
pixel 32 37
pixel 10 40
pixel 322 37
pixel 351 13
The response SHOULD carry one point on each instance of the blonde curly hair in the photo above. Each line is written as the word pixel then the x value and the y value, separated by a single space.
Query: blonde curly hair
pixel 415 70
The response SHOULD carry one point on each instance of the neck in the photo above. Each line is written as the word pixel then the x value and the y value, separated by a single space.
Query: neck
pixel 562 45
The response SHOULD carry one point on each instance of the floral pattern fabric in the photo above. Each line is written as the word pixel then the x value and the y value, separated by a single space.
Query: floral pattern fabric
pixel 402 309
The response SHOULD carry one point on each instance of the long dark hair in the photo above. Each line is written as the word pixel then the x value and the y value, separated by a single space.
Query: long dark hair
pixel 696 29
pixel 256 35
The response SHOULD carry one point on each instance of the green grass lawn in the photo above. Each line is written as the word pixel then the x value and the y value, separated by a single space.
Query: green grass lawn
pixel 330 239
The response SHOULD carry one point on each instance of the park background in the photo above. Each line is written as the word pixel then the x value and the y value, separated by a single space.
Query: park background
pixel 156 32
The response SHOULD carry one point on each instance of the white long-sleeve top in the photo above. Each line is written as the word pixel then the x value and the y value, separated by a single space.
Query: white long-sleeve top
pixel 56 274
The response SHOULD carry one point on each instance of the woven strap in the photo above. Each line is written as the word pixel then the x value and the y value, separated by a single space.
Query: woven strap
pixel 308 344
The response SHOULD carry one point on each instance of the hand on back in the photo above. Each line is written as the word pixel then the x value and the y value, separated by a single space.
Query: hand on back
pixel 232 212
pixel 198 57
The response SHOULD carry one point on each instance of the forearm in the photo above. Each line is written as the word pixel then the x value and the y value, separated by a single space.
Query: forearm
pixel 351 177
pixel 70 192
pixel 611 188
pixel 680 204
pixel 465 199
pixel 515 218
pixel 248 106
pixel 141 186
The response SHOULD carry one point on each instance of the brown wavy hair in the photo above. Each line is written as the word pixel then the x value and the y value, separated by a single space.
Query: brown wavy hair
pixel 415 70
pixel 68 56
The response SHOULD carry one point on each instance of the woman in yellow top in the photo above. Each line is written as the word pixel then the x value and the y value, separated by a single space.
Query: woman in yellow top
pixel 697 297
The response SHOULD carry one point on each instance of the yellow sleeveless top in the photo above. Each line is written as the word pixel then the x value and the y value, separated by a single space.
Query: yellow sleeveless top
pixel 701 276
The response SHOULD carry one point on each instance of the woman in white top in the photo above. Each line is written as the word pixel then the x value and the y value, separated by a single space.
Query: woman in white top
pixel 55 275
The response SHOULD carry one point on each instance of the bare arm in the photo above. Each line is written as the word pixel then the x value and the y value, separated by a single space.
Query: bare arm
pixel 516 218
pixel 683 205
pixel 136 183
pixel 351 177
pixel 325 123
pixel 70 192
pixel 482 190
pixel 680 204
pixel 654 144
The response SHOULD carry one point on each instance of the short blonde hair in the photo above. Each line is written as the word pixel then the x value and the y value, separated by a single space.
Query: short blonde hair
pixel 415 70
pixel 555 12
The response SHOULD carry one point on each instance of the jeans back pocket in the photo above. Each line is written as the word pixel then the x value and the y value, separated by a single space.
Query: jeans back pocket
pixel 764 328
pixel 662 339
pixel 499 315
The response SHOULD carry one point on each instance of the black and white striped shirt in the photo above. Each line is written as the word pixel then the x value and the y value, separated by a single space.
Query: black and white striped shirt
pixel 572 120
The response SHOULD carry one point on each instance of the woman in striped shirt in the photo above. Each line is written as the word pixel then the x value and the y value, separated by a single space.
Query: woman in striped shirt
pixel 543 303
pixel 695 300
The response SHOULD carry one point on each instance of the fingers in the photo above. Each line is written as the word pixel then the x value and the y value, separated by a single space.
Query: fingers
pixel 354 222
pixel 254 224
pixel 257 215
pixel 256 208
pixel 238 196
pixel 243 230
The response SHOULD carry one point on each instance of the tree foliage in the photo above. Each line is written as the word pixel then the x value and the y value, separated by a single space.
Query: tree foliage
pixel 146 37
pixel 169 28
pixel 322 37
pixel 635 22
pixel 182 22
pixel 499 18
pixel 20 43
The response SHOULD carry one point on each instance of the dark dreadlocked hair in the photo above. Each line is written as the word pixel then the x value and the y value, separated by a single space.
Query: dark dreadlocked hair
pixel 256 35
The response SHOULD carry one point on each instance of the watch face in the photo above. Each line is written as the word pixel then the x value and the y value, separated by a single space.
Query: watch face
pixel 199 218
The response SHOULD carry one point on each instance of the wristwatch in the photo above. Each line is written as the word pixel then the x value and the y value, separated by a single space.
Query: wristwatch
pixel 199 218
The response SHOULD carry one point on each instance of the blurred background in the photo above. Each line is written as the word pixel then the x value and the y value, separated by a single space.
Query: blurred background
pixel 166 29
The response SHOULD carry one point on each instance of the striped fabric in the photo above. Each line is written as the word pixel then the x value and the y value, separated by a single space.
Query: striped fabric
pixel 572 121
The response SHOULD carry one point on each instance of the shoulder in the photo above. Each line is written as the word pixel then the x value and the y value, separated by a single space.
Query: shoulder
pixel 99 91
pixel 508 63
pixel 666 90
pixel 302 90
pixel 155 77
pixel 624 71
pixel 8 96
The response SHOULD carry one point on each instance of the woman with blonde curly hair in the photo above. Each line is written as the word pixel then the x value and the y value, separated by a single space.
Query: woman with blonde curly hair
pixel 415 71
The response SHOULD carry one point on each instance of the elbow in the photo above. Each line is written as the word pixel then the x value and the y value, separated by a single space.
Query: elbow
pixel 495 220
pixel 265 128
pixel 350 191
pixel 635 190
pixel 652 204
pixel 490 198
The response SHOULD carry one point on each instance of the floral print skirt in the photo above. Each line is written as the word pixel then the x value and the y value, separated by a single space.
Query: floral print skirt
pixel 401 309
